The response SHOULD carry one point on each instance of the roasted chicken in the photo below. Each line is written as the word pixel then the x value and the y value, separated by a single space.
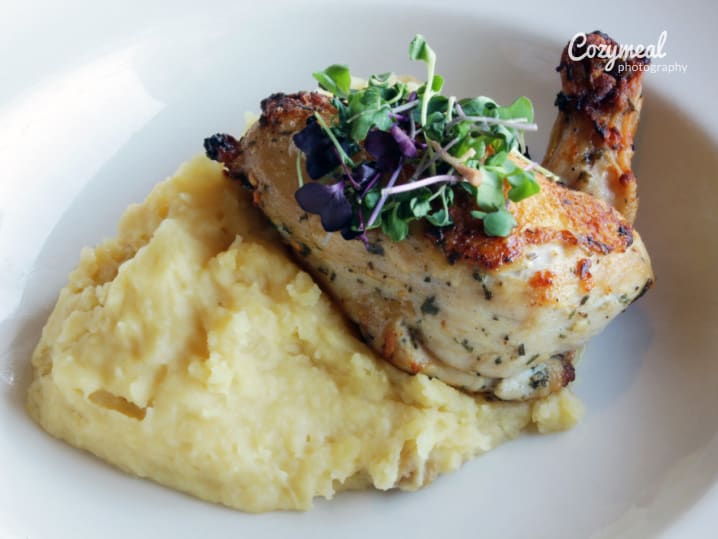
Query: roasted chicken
pixel 496 315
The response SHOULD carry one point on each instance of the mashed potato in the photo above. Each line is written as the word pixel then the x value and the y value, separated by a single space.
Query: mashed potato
pixel 191 350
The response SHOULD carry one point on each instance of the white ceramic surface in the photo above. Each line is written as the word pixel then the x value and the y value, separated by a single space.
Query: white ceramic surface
pixel 98 102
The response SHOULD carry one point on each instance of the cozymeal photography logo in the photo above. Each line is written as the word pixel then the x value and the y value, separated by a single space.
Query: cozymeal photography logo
pixel 581 47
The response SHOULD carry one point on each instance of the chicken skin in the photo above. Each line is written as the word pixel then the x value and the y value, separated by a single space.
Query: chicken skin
pixel 591 143
pixel 501 316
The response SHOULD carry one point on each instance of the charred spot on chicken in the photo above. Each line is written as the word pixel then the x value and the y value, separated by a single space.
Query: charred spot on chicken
pixel 432 191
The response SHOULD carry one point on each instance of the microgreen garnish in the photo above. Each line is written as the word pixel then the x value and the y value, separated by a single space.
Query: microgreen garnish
pixel 394 155
pixel 335 79
pixel 328 201
pixel 419 50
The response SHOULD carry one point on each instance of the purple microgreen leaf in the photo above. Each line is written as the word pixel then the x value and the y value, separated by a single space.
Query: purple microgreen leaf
pixel 323 151
pixel 322 157
pixel 328 201
pixel 406 144
pixel 363 174
pixel 311 136
pixel 383 148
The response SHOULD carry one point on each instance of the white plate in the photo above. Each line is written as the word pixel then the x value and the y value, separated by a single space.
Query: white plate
pixel 96 105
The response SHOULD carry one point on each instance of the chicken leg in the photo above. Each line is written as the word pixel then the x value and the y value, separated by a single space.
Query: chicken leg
pixel 499 316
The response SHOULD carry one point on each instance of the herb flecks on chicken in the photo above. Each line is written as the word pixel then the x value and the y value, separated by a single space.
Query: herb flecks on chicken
pixel 591 144
pixel 499 315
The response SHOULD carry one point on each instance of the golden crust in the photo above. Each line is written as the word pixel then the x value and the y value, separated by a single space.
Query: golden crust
pixel 576 220
pixel 281 110
pixel 556 213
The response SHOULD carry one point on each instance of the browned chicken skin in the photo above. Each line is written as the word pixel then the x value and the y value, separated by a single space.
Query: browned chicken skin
pixel 501 316
pixel 591 143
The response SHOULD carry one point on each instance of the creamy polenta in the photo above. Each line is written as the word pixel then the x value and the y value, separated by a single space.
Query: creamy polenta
pixel 193 351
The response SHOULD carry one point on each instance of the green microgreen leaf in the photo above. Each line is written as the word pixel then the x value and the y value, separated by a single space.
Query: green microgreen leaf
pixel 435 125
pixel 368 109
pixel 379 79
pixel 521 108
pixel 419 50
pixel 335 79
pixel 436 122
pixel 371 199
pixel 523 185
pixel 497 159
pixel 421 205
pixel 442 217
pixel 490 194
pixel 478 106
pixel 394 226
pixel 499 223
pixel 439 218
